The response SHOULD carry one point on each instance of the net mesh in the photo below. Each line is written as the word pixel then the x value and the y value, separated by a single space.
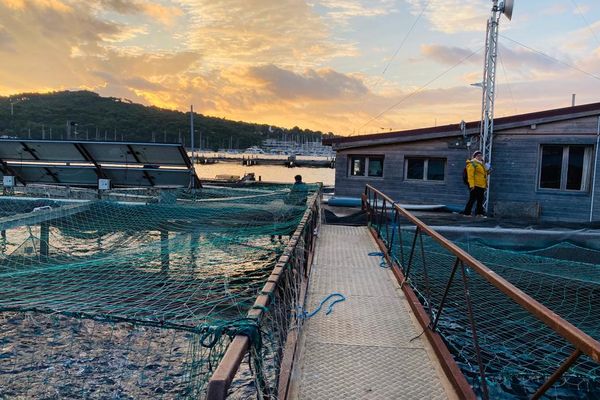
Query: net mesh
pixel 518 351
pixel 138 298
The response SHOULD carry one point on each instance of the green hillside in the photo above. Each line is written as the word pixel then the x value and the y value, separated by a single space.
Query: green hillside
pixel 86 115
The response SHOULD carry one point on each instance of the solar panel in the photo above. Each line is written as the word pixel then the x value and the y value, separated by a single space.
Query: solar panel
pixel 101 152
pixel 126 164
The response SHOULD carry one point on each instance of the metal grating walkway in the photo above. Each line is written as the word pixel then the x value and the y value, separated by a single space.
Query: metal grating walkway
pixel 363 349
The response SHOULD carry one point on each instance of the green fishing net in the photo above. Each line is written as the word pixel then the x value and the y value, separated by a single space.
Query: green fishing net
pixel 120 297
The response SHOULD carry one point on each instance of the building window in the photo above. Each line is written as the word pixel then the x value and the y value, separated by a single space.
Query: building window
pixel 366 166
pixel 425 169
pixel 565 167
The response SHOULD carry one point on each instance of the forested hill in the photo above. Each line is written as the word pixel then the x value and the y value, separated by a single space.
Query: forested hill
pixel 89 116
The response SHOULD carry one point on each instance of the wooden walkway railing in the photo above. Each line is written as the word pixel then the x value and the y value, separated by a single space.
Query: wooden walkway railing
pixel 282 294
pixel 385 220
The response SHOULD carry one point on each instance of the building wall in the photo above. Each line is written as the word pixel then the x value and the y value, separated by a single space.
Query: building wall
pixel 515 171
pixel 451 191
pixel 515 175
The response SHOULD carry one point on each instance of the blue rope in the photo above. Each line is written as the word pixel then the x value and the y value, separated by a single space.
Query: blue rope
pixel 302 314
pixel 383 262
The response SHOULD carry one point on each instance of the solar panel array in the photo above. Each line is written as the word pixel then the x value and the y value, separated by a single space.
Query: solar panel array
pixel 82 163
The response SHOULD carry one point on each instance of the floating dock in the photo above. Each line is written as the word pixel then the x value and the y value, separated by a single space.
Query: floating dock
pixel 370 346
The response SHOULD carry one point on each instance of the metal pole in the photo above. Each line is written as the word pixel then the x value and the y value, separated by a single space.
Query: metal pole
pixel 489 91
pixel 192 130
pixel 193 181
pixel 164 250
pixel 595 170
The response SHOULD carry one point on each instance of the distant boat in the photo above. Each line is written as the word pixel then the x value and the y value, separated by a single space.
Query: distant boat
pixel 254 150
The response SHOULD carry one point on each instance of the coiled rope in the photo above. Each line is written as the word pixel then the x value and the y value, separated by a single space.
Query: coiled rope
pixel 383 262
pixel 303 314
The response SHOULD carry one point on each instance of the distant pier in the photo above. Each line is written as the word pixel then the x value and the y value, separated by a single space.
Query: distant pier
pixel 289 162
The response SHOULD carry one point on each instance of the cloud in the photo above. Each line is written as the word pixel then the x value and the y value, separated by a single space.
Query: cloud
pixel 148 65
pixel 341 11
pixel 554 9
pixel 518 61
pixel 89 49
pixel 165 15
pixel 324 84
pixel 7 42
pixel 267 61
pixel 158 12
pixel 531 64
pixel 451 16
pixel 121 6
pixel 447 55
pixel 584 39
pixel 285 32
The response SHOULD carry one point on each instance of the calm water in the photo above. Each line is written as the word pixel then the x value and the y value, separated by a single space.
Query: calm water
pixel 268 173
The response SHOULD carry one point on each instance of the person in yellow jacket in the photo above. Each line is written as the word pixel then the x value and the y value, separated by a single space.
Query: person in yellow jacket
pixel 477 174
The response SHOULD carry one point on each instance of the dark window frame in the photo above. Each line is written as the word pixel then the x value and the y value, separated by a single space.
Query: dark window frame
pixel 366 160
pixel 425 177
pixel 586 168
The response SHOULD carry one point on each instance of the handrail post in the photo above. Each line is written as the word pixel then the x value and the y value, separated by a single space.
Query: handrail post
pixel 412 252
pixel 426 272
pixel 446 291
pixel 474 333
pixel 557 374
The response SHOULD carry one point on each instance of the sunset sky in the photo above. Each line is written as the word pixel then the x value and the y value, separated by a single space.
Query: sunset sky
pixel 346 66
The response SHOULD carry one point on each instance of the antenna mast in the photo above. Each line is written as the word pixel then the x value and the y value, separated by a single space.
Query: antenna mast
pixel 489 81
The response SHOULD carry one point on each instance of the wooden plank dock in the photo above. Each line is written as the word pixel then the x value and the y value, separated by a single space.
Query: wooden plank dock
pixel 370 346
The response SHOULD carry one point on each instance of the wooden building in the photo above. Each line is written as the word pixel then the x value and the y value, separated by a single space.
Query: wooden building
pixel 544 164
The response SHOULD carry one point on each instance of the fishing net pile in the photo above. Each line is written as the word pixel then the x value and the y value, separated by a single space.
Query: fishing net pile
pixel 518 351
pixel 137 298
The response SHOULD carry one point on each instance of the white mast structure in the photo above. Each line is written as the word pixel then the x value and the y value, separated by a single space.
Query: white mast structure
pixel 489 81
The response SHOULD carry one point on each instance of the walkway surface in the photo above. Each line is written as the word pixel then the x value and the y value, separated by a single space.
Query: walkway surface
pixel 368 347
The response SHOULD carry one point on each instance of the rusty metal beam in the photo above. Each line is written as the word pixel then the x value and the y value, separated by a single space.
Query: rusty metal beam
pixel 222 377
pixel 291 344
pixel 557 374
pixel 220 381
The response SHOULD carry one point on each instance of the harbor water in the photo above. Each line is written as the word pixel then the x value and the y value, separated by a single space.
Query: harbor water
pixel 268 173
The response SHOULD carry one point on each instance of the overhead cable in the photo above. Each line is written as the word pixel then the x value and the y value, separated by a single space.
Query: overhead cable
pixel 419 89
pixel 552 58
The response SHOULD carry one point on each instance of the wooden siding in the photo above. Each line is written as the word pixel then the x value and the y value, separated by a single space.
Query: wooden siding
pixel 514 178
pixel 516 174
pixel 450 191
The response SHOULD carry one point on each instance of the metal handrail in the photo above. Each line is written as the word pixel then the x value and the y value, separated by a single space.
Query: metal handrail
pixel 582 342
pixel 307 230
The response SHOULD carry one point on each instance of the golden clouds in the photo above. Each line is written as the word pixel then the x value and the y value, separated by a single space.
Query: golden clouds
pixel 23 4
pixel 243 60
pixel 261 60
pixel 165 15
pixel 286 32
pixel 14 4
pixel 452 16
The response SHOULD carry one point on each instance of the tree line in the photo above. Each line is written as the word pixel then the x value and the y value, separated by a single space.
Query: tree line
pixel 85 115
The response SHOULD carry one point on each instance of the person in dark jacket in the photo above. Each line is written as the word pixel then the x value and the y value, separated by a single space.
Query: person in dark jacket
pixel 298 193
pixel 477 174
